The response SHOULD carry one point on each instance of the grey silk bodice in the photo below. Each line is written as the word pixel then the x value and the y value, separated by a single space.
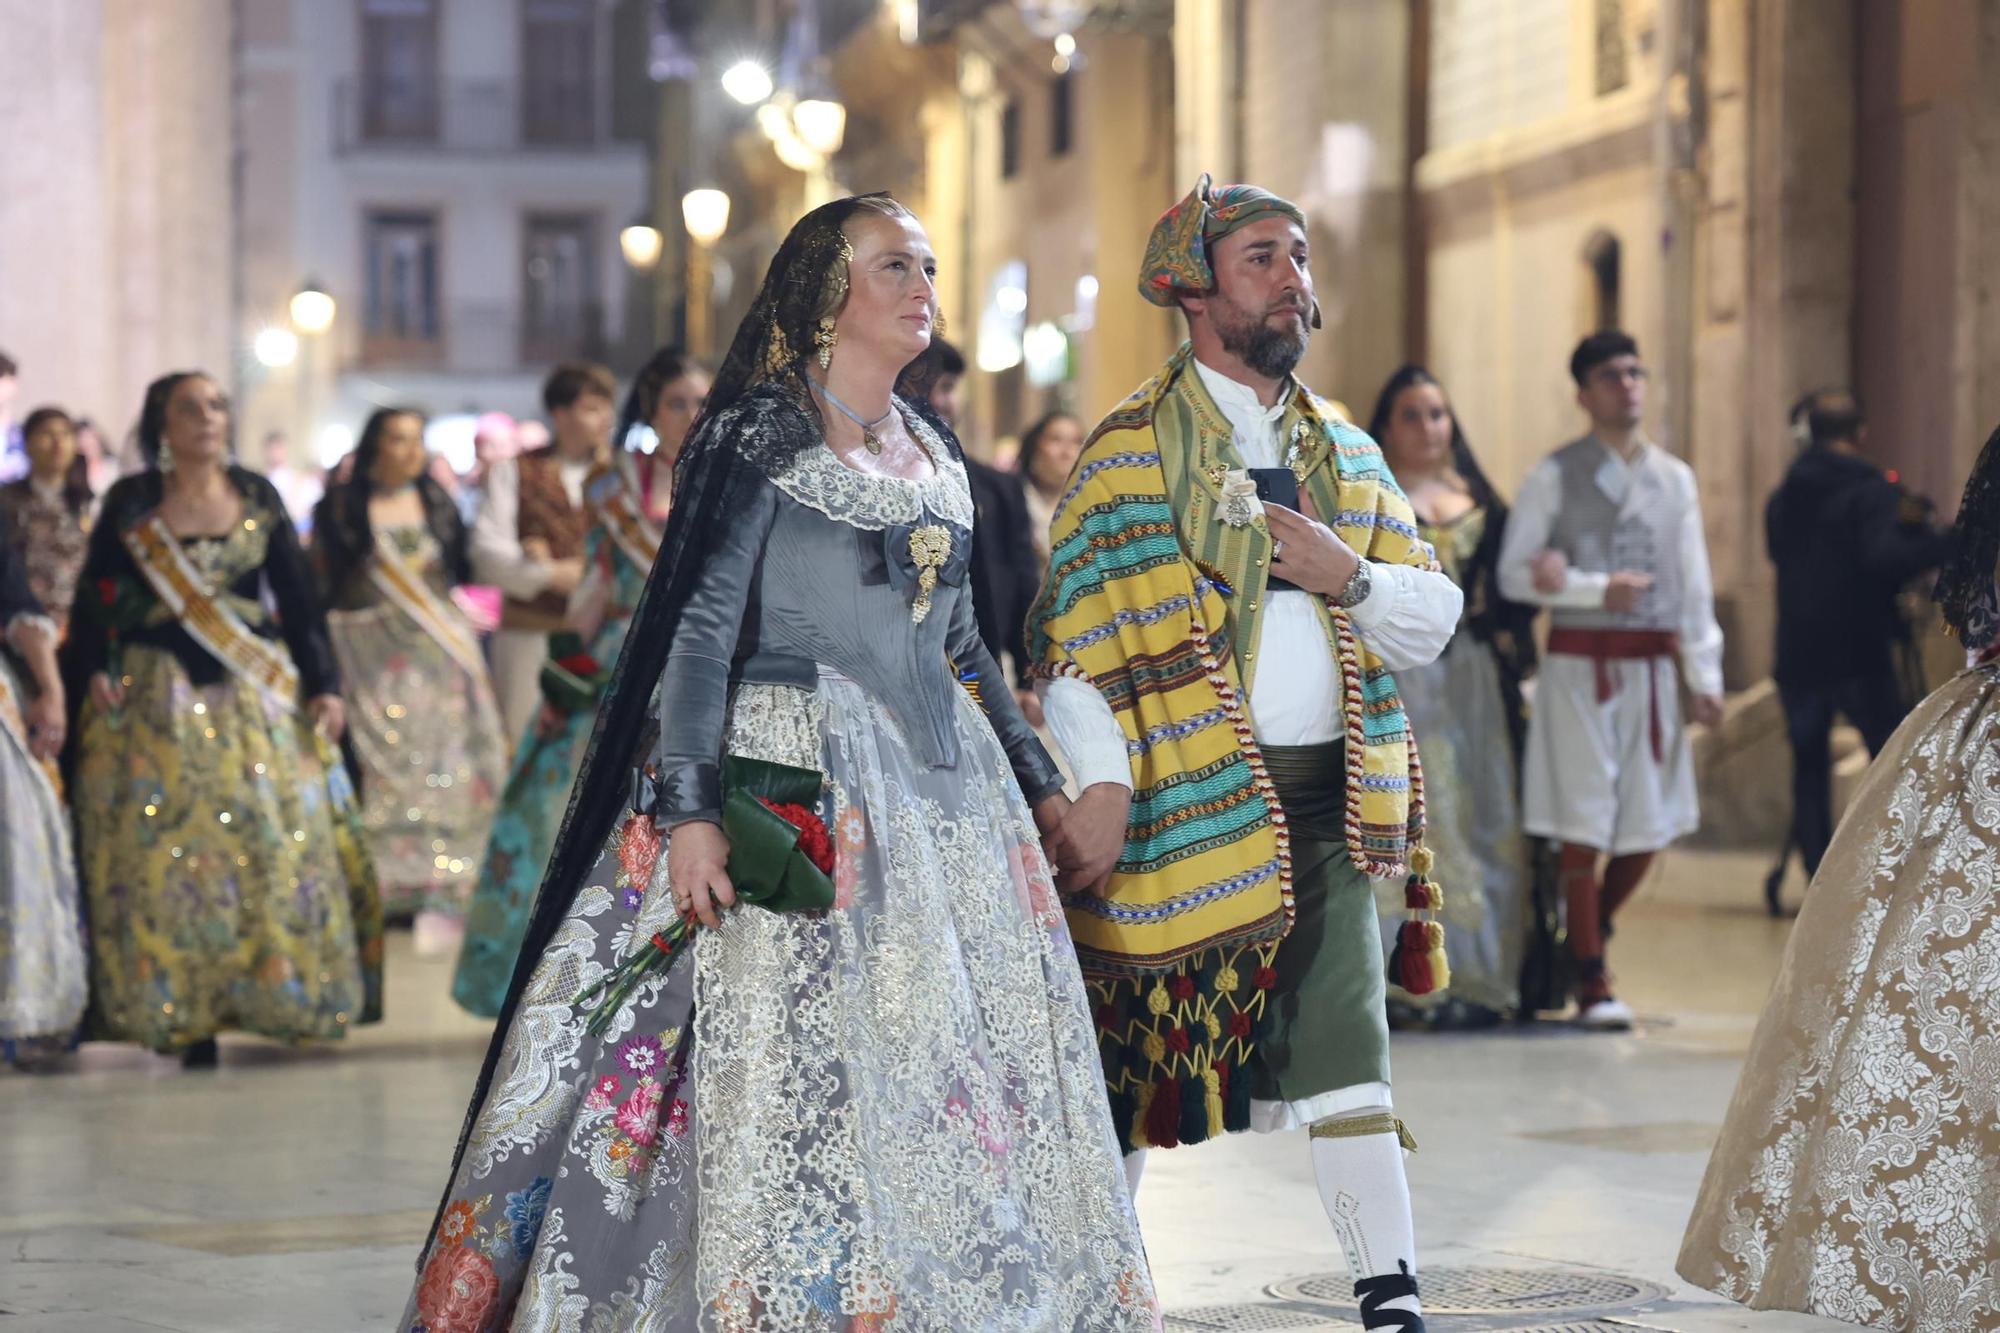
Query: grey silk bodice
pixel 1641 533
pixel 818 573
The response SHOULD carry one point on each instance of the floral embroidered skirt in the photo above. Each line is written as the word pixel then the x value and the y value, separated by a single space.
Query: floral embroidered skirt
pixel 43 979
pixel 886 1115
pixel 427 734
pixel 228 883
pixel 1858 1173
pixel 524 837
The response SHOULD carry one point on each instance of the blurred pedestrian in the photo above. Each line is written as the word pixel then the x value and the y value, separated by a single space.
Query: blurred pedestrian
pixel 422 720
pixel 1845 540
pixel 1049 450
pixel 1607 532
pixel 1858 1169
pixel 48 512
pixel 228 883
pixel 1005 574
pixel 626 506
pixel 43 975
pixel 528 538
pixel 1466 712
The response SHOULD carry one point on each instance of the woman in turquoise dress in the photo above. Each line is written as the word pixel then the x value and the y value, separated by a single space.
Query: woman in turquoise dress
pixel 628 503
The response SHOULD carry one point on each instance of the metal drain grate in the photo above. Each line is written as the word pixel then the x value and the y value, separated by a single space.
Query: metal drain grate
pixel 1251 1318
pixel 1597 1326
pixel 1493 1290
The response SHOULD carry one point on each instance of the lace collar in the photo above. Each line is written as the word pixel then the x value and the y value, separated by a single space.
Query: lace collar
pixel 820 481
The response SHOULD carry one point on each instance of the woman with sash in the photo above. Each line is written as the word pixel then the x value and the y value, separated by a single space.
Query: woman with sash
pixel 422 721
pixel 43 979
pixel 626 504
pixel 1466 712
pixel 222 857
pixel 880 1110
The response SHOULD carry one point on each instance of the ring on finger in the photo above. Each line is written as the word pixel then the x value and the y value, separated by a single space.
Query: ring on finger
pixel 1277 550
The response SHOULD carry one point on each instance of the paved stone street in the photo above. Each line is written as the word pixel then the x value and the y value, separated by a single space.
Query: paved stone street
pixel 289 1190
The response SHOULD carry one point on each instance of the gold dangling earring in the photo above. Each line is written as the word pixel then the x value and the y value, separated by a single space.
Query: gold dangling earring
pixel 823 339
pixel 937 322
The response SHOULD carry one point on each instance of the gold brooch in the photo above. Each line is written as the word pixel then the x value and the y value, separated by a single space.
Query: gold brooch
pixel 930 547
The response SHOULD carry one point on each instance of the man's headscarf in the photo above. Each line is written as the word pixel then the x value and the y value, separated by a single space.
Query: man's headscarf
pixel 1177 251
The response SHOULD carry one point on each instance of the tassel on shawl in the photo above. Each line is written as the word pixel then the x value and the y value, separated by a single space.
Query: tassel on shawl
pixel 1418 963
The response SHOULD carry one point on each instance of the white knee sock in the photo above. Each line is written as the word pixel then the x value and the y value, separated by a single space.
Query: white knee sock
pixel 1135 1166
pixel 1367 1196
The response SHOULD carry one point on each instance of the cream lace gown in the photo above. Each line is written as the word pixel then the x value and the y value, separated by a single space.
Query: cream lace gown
pixel 1858 1175
pixel 888 1115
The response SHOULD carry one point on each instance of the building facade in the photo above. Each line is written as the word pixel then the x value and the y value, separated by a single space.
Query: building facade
pixel 455 175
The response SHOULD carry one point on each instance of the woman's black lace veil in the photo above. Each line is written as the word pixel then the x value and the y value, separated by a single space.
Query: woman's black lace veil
pixel 715 478
pixel 1965 591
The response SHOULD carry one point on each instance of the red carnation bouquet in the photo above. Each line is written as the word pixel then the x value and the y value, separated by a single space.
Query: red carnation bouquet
pixel 572 680
pixel 780 859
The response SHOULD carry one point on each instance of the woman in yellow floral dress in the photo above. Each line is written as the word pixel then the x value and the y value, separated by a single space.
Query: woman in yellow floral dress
pixel 226 881
pixel 1858 1173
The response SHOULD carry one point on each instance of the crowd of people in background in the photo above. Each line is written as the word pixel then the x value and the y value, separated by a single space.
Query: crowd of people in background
pixel 236 856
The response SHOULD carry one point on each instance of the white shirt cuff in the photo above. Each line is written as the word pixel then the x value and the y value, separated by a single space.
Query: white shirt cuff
pixel 1086 731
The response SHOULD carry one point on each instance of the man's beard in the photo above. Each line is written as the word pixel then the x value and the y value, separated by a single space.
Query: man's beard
pixel 1269 351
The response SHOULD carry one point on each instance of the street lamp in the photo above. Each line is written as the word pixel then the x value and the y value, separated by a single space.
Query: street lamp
pixel 642 245
pixel 312 309
pixel 312 314
pixel 705 213
pixel 275 347
pixel 821 123
pixel 747 81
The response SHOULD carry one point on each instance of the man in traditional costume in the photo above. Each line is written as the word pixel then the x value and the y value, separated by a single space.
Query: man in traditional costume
pixel 1217 668
pixel 1607 532
pixel 528 538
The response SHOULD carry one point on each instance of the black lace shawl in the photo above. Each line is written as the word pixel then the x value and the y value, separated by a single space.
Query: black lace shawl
pixel 1965 590
pixel 759 418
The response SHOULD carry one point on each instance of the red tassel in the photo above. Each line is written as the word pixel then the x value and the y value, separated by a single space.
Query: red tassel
pixel 1410 963
pixel 1163 1117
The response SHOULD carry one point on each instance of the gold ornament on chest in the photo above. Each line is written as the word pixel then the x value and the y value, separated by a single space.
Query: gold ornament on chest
pixel 930 547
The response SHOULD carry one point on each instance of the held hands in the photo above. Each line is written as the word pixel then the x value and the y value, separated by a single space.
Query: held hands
pixel 1084 838
pixel 47 717
pixel 697 854
pixel 106 693
pixel 329 716
pixel 1625 589
pixel 1306 552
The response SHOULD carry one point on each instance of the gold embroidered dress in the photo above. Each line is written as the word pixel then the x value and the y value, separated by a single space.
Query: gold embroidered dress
pixel 227 884
pixel 1858 1173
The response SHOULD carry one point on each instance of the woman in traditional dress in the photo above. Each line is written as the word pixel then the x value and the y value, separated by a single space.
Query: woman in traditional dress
pixel 1465 710
pixel 627 505
pixel 887 1114
pixel 43 979
pixel 227 882
pixel 47 512
pixel 390 547
pixel 1858 1172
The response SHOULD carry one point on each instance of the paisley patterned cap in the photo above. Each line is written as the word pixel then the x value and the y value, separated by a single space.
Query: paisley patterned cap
pixel 1177 251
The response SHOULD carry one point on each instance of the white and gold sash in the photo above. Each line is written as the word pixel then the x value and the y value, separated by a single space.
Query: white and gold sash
pixel 411 594
pixel 614 505
pixel 209 621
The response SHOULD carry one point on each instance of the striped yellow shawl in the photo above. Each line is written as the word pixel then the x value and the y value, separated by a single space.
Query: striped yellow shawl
pixel 1147 592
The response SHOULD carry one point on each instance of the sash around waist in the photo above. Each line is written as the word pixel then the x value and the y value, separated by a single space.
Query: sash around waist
pixel 1312 787
pixel 1613 645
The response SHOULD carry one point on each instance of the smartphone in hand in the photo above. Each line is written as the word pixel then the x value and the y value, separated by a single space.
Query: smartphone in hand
pixel 1277 485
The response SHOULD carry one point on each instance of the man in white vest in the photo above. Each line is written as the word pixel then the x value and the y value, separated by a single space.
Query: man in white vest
pixel 1607 533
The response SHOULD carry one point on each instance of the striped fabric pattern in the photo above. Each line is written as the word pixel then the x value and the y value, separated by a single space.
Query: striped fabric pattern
pixel 1148 595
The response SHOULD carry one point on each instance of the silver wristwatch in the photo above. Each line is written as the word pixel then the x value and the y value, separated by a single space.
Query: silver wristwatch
pixel 1356 591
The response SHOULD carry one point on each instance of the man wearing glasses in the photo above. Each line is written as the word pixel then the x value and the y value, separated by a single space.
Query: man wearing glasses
pixel 1607 533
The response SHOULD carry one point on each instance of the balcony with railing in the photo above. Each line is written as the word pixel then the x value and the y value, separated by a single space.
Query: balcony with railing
pixel 468 115
pixel 479 338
